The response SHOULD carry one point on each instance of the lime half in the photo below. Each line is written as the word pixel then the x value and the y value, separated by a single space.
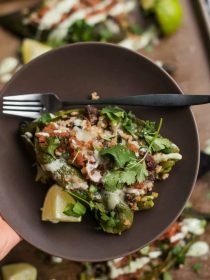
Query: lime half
pixel 55 202
pixel 32 49
pixel 19 271
pixel 169 15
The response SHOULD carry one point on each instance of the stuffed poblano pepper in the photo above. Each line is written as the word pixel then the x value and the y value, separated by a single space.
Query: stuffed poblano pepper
pixel 105 160
pixel 60 22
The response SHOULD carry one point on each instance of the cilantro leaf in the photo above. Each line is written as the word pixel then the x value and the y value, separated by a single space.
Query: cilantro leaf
pixel 140 170
pixel 114 114
pixel 120 153
pixel 159 143
pixel 111 181
pixel 148 129
pixel 117 115
pixel 128 177
pixel 80 31
pixel 68 211
pixel 53 143
pixel 79 209
pixel 197 267
pixel 45 118
pixel 75 210
pixel 129 123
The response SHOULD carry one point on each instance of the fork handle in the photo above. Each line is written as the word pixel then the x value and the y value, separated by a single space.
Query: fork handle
pixel 161 100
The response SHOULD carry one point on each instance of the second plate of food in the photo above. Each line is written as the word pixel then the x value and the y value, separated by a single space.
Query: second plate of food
pixel 116 157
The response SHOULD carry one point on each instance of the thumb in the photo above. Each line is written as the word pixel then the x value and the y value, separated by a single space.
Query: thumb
pixel 8 238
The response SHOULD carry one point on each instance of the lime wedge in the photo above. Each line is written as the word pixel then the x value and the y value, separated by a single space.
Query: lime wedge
pixel 169 15
pixel 32 49
pixel 19 271
pixel 55 202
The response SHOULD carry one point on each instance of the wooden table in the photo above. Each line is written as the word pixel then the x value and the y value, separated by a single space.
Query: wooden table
pixel 186 52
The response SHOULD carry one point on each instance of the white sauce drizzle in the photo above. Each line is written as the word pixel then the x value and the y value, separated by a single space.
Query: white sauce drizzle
pixel 160 157
pixel 8 65
pixel 135 191
pixel 29 134
pixel 198 249
pixel 44 134
pixel 121 8
pixel 53 166
pixel 133 267
pixel 54 15
pixel 193 225
pixel 154 254
pixel 114 198
pixel 177 237
pixel 78 185
pixel 61 31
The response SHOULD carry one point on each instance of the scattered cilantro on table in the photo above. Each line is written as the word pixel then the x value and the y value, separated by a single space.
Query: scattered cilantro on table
pixel 197 267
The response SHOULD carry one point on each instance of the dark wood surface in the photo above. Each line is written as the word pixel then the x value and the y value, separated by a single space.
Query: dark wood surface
pixel 185 50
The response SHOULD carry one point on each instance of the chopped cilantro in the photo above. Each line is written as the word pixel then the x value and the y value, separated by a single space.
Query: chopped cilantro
pixel 140 170
pixel 133 172
pixel 45 118
pixel 128 177
pixel 148 129
pixel 129 123
pixel 112 180
pixel 159 143
pixel 53 143
pixel 120 153
pixel 75 210
pixel 197 267
pixel 176 250
pixel 80 31
pixel 114 114
pixel 119 116
pixel 136 29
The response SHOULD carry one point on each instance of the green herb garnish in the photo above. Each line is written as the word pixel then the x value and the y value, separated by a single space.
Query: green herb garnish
pixel 75 210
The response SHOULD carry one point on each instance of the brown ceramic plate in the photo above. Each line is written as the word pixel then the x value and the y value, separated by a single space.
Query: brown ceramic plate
pixel 73 72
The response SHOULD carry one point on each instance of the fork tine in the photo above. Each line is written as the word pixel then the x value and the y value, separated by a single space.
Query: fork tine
pixel 33 115
pixel 25 108
pixel 27 103
pixel 23 97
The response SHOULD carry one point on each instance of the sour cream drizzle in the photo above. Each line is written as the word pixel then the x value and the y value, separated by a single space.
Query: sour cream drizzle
pixel 133 267
pixel 100 12
pixel 53 166
pixel 54 15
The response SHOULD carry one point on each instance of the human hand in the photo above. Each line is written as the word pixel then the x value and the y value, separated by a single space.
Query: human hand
pixel 8 238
